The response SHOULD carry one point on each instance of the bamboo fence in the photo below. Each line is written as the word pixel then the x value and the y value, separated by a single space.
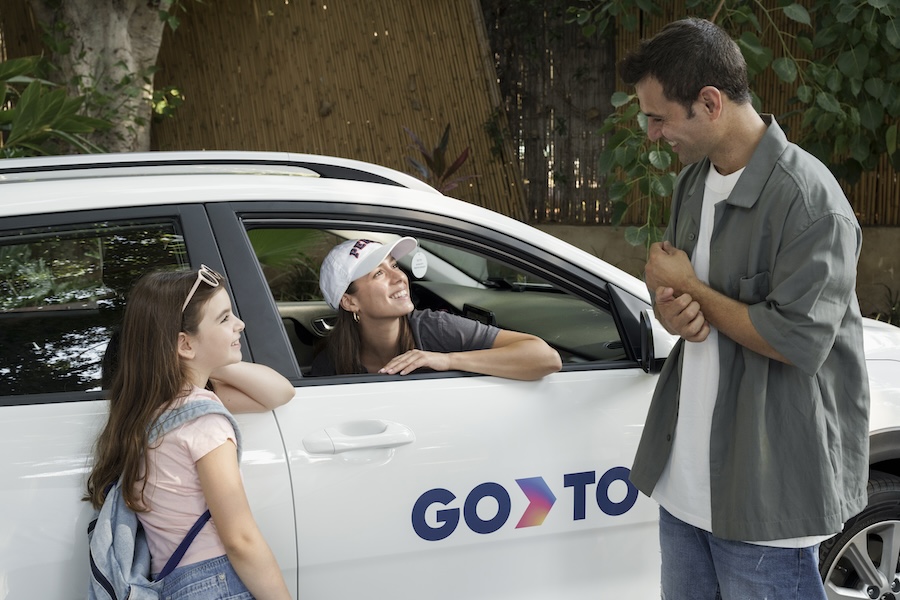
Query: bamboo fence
pixel 345 79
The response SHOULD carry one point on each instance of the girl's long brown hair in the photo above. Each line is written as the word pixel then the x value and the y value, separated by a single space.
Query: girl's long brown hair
pixel 344 345
pixel 148 376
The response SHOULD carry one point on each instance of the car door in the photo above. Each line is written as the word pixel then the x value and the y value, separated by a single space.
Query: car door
pixel 63 284
pixel 453 485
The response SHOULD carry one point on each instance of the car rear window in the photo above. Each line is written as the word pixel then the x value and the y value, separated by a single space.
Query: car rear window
pixel 62 293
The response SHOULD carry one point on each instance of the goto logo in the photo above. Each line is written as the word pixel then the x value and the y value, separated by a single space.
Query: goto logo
pixel 541 499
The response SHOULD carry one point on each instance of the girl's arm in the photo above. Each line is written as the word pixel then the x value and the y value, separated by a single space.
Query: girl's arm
pixel 250 387
pixel 514 355
pixel 245 546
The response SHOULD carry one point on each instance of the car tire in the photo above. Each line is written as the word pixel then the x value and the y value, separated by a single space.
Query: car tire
pixel 864 557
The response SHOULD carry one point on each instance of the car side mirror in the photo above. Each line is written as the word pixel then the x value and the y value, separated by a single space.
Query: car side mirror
pixel 656 342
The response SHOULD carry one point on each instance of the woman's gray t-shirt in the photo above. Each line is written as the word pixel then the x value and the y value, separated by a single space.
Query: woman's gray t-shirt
pixel 433 331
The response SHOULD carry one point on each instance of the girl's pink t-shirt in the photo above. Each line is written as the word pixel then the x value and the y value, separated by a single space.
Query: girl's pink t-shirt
pixel 173 493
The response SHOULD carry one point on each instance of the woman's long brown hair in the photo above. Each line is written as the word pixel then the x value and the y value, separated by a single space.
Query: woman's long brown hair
pixel 149 375
pixel 345 347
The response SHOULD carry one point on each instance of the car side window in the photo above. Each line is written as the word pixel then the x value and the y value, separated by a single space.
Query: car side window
pixel 442 277
pixel 62 293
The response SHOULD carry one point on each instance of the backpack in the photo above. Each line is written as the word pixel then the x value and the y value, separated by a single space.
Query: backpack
pixel 119 554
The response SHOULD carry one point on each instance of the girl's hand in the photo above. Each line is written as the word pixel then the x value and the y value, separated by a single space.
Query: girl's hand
pixel 250 387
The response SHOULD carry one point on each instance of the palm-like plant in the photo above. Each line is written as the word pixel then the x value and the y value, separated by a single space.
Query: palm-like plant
pixel 37 117
pixel 434 168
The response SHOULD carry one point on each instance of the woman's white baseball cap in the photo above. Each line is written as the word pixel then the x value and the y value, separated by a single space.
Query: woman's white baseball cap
pixel 352 259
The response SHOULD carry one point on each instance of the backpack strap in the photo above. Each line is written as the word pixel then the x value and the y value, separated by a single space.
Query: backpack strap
pixel 184 545
pixel 189 411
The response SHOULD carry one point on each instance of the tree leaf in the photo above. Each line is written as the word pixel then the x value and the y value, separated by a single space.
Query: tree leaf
pixel 859 149
pixel 805 94
pixel 423 172
pixel 619 209
pixel 853 62
pixel 15 67
pixel 618 190
pixel 825 122
pixel 827 36
pixel 607 161
pixel 457 163
pixel 828 102
pixel 636 236
pixel 890 139
pixel 874 87
pixel 755 54
pixel 583 16
pixel 668 183
pixel 846 13
pixel 620 99
pixel 660 159
pixel 798 13
pixel 834 80
pixel 657 187
pixel 785 68
pixel 892 32
pixel 871 115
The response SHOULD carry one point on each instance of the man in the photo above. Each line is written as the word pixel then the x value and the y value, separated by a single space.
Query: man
pixel 756 441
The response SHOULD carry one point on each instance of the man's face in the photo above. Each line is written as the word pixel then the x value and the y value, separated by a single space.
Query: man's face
pixel 688 136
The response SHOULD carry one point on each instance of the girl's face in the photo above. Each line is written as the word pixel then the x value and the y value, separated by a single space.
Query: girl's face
pixel 218 339
pixel 383 293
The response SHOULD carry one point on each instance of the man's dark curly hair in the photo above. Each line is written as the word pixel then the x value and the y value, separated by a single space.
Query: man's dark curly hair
pixel 685 57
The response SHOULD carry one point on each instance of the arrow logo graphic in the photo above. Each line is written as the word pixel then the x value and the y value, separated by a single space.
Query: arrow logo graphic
pixel 541 501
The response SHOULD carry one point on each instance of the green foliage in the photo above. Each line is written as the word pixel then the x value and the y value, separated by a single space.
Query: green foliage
pixel 845 79
pixel 640 164
pixel 118 95
pixel 291 259
pixel 434 168
pixel 494 129
pixel 38 118
pixel 595 17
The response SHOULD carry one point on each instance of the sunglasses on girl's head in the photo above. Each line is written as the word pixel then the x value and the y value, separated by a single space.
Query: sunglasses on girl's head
pixel 207 276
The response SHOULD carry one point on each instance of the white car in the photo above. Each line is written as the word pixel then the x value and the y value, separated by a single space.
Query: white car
pixel 431 485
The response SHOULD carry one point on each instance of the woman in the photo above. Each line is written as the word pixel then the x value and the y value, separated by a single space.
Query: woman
pixel 179 342
pixel 380 331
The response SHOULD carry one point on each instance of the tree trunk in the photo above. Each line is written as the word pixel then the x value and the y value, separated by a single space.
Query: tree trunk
pixel 108 55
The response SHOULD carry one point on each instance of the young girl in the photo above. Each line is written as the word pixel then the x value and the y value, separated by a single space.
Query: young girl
pixel 379 331
pixel 180 336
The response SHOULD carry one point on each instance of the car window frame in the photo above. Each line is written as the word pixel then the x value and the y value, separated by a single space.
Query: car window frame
pixel 231 220
pixel 199 243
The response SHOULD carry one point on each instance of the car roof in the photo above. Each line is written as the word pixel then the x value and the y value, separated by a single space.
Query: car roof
pixel 52 184
pixel 160 163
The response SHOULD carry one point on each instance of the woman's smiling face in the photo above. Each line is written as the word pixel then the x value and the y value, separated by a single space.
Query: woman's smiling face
pixel 384 292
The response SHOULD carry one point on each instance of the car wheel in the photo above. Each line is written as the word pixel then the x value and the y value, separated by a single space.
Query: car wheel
pixel 862 560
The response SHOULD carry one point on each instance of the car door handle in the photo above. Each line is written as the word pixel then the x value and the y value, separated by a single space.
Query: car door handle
pixel 358 435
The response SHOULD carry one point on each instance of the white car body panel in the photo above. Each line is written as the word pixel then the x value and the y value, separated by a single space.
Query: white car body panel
pixel 350 523
pixel 523 430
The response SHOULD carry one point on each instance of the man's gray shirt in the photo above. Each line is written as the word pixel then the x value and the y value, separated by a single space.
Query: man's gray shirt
pixel 789 444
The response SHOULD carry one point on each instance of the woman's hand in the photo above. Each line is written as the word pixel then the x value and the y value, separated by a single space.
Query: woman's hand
pixel 416 359
pixel 514 355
